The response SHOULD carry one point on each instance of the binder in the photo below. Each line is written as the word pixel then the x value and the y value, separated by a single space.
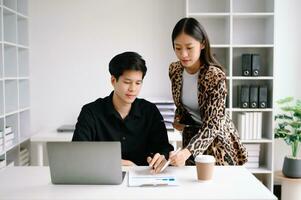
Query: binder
pixel 255 64
pixel 244 97
pixel 246 61
pixel 263 96
pixel 253 96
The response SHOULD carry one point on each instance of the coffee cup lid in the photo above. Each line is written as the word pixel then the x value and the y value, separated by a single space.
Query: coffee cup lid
pixel 204 159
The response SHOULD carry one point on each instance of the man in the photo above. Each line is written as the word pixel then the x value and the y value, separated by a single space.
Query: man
pixel 136 123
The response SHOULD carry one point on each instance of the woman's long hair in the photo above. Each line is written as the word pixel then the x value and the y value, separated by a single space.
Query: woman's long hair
pixel 193 28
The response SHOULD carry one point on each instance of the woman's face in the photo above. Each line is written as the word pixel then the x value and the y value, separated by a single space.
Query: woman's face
pixel 188 50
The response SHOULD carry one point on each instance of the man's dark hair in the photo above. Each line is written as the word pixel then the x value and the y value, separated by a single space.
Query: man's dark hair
pixel 127 61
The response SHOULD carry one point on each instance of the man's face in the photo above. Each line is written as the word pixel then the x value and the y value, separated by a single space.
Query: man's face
pixel 128 86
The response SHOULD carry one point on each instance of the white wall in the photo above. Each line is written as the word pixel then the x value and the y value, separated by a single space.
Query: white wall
pixel 72 42
pixel 287 60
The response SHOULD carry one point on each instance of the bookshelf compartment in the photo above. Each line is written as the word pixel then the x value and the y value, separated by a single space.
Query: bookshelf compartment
pixel 253 6
pixel 9 26
pixel 222 55
pixel 22 31
pixel 12 4
pixel 1 138
pixel 10 61
pixel 217 27
pixel 1 32
pixel 24 125
pixel 11 96
pixel 253 30
pixel 22 6
pixel 24 154
pixel 1 61
pixel 12 156
pixel 24 94
pixel 266 60
pixel 13 122
pixel 23 58
pixel 258 124
pixel 197 6
pixel 1 99
pixel 238 83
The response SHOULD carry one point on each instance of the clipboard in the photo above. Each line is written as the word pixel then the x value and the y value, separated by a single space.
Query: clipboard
pixel 141 177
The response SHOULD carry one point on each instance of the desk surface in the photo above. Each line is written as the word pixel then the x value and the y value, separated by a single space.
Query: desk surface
pixel 231 182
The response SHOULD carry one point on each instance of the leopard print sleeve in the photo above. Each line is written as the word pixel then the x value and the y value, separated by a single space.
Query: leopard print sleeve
pixel 212 111
pixel 174 78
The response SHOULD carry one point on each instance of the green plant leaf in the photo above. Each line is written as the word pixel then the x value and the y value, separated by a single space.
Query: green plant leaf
pixel 285 100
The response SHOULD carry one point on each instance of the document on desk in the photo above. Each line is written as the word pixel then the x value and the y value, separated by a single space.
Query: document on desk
pixel 141 176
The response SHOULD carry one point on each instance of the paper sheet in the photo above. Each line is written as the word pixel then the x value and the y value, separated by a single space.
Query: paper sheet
pixel 143 177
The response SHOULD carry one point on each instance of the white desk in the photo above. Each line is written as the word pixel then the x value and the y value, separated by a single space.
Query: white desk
pixel 53 136
pixel 229 183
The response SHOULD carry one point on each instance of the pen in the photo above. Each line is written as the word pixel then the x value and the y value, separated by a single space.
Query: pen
pixel 168 162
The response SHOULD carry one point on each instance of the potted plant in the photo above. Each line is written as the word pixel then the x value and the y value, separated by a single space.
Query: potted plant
pixel 289 128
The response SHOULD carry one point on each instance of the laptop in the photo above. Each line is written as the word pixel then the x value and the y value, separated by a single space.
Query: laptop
pixel 97 163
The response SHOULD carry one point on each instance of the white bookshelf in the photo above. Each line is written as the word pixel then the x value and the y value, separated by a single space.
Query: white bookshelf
pixel 236 27
pixel 14 82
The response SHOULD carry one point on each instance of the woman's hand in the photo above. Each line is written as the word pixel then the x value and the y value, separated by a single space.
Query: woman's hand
pixel 180 158
pixel 156 163
pixel 127 163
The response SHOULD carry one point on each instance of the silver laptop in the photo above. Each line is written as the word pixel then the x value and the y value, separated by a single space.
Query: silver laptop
pixel 85 162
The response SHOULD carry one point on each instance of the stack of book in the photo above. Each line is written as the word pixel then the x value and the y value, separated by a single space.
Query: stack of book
pixel 24 157
pixel 167 110
pixel 1 141
pixel 253 155
pixel 9 137
pixel 249 125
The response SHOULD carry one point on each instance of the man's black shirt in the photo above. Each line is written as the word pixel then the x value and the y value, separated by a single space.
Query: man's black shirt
pixel 141 132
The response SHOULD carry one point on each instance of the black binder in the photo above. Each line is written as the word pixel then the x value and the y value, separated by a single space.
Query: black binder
pixel 244 96
pixel 255 64
pixel 246 63
pixel 253 96
pixel 263 96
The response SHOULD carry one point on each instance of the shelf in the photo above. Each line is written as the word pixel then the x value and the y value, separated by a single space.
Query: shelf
pixel 9 26
pixel 23 58
pixel 1 100
pixel 252 78
pixel 12 4
pixel 22 6
pixel 217 27
pixel 14 78
pixel 25 124
pixel 252 109
pixel 222 55
pixel 11 96
pixel 236 84
pixel 254 30
pixel 215 6
pixel 253 6
pixel 22 31
pixel 10 61
pixel 266 61
pixel 23 93
pixel 257 141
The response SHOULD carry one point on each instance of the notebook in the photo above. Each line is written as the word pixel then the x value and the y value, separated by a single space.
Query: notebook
pixel 85 162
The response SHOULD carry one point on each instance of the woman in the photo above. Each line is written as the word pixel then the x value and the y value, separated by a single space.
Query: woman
pixel 199 92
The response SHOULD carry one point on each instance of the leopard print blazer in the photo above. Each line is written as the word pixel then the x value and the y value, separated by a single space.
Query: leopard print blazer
pixel 217 135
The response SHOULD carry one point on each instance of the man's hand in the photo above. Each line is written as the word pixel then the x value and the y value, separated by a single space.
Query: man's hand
pixel 127 163
pixel 156 163
pixel 180 158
